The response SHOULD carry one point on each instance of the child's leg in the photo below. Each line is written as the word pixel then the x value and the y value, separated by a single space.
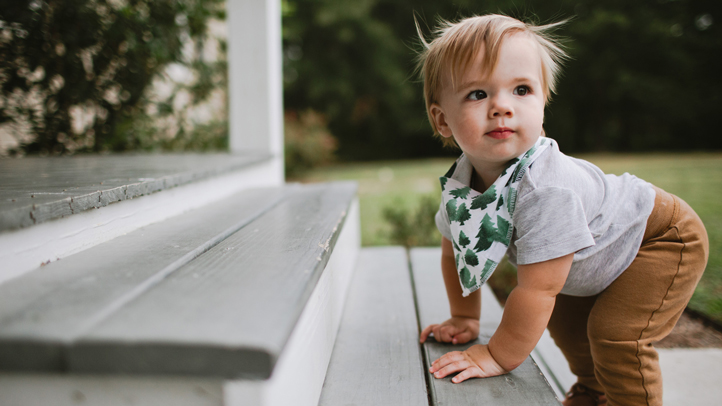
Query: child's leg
pixel 644 303
pixel 568 328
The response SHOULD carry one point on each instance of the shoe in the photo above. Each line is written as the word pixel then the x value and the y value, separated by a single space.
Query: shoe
pixel 580 395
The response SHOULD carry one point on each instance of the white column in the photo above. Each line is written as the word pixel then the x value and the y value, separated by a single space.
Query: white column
pixel 255 77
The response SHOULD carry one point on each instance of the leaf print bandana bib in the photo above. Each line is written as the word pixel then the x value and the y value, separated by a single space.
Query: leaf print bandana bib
pixel 481 223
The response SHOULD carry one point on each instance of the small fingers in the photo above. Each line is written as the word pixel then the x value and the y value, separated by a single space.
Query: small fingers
pixel 449 332
pixel 426 332
pixel 466 374
pixel 461 338
pixel 451 368
pixel 445 360
pixel 445 334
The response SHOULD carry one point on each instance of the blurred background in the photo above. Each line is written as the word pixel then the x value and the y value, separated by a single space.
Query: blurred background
pixel 640 94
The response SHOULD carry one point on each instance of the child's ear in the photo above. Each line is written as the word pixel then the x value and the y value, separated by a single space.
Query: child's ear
pixel 439 117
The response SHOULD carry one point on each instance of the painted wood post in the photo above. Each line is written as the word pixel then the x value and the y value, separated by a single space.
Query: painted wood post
pixel 255 77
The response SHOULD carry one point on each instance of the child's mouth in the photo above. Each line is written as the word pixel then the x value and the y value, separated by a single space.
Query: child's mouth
pixel 500 133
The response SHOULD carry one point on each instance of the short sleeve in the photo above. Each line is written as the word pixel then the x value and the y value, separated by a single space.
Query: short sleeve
pixel 442 221
pixel 549 222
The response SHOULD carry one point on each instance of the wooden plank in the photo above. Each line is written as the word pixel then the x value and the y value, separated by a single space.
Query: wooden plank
pixel 298 376
pixel 44 311
pixel 229 312
pixel 429 284
pixel 377 359
pixel 525 385
pixel 25 249
pixel 69 390
pixel 35 190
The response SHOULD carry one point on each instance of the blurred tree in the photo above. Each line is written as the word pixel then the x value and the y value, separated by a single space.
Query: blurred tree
pixel 643 75
pixel 73 72
pixel 349 62
pixel 307 142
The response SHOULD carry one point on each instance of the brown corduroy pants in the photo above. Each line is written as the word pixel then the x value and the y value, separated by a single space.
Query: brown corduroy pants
pixel 608 338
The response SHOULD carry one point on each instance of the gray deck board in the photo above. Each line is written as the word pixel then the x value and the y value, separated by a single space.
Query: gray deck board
pixel 45 311
pixel 34 190
pixel 426 264
pixel 377 359
pixel 525 385
pixel 229 312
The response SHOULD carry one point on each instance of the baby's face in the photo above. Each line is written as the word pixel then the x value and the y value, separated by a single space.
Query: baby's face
pixel 495 118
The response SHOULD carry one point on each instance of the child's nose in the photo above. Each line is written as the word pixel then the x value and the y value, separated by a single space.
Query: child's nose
pixel 500 107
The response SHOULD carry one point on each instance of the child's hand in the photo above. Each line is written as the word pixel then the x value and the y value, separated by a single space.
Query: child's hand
pixel 475 362
pixel 456 330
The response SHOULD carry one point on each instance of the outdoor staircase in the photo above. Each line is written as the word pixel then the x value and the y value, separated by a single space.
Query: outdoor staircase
pixel 206 280
pixel 228 293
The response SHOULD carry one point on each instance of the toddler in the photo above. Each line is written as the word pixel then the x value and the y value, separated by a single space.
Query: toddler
pixel 606 263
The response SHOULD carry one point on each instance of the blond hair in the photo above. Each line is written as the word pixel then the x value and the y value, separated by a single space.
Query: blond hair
pixel 456 45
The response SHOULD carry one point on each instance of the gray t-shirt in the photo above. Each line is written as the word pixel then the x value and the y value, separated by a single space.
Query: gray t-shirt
pixel 567 205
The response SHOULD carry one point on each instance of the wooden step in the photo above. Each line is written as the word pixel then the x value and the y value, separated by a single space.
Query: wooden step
pixel 39 189
pixel 135 303
pixel 245 292
pixel 377 358
pixel 51 208
pixel 525 385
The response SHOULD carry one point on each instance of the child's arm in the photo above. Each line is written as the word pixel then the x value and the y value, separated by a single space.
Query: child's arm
pixel 525 317
pixel 463 326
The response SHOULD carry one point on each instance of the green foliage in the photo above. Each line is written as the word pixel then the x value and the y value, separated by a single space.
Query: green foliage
pixel 412 228
pixel 466 278
pixel 500 204
pixel 212 136
pixel 640 74
pixel 352 62
pixel 488 233
pixel 73 74
pixel 471 258
pixel 462 214
pixel 483 200
pixel 461 193
pixel 456 247
pixel 308 143
pixel 463 239
pixel 451 209
pixel 503 233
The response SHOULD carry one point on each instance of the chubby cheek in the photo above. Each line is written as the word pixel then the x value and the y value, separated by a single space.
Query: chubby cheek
pixel 468 125
pixel 535 121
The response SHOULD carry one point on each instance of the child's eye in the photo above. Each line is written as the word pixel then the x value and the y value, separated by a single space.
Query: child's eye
pixel 477 95
pixel 522 90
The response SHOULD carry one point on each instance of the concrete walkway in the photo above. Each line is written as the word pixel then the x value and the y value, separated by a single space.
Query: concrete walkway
pixel 692 376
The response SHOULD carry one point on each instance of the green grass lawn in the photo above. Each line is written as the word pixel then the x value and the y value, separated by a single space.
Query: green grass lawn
pixel 696 178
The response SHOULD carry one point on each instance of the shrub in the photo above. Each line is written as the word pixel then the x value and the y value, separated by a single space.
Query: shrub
pixel 308 143
pixel 414 227
pixel 74 73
